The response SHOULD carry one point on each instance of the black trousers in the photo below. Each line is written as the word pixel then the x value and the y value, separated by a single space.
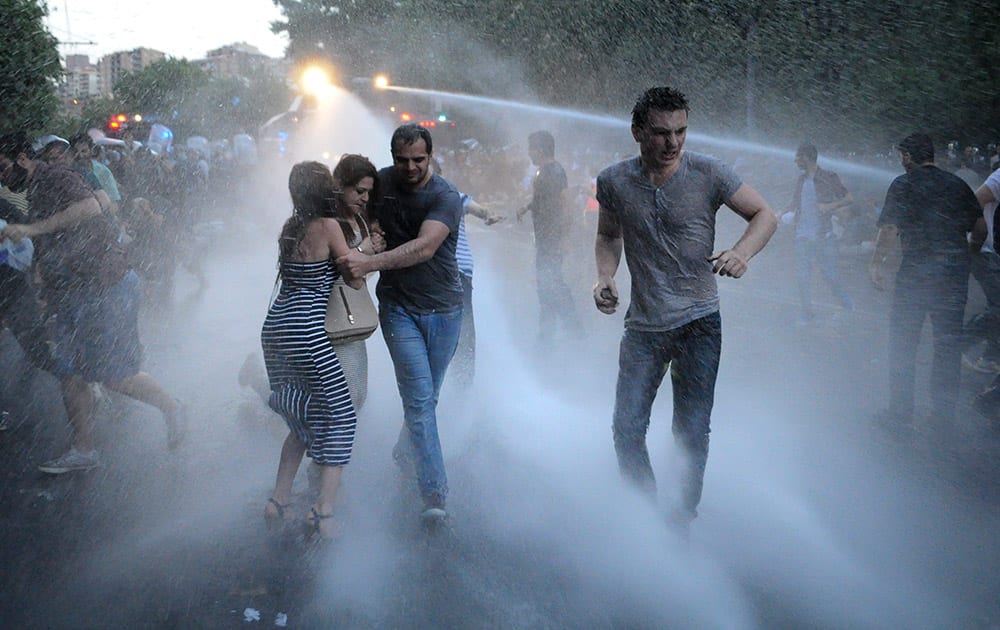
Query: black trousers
pixel 938 292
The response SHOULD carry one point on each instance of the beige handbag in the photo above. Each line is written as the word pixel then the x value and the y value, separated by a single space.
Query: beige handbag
pixel 350 314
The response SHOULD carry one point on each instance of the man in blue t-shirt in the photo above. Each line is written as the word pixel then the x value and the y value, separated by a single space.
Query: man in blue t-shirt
pixel 420 300
pixel 660 207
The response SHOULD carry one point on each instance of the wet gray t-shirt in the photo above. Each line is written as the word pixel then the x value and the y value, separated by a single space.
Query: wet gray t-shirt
pixel 668 234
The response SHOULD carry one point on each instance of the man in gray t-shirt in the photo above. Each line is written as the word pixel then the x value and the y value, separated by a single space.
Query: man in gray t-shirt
pixel 660 208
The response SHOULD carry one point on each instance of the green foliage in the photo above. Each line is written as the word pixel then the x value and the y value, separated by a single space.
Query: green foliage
pixel 29 66
pixel 857 73
pixel 192 102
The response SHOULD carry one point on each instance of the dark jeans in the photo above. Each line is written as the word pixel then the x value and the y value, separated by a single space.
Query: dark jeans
pixel 985 326
pixel 692 354
pixel 939 292
pixel 554 298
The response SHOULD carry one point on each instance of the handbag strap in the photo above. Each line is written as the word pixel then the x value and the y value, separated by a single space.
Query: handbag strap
pixel 362 222
pixel 277 286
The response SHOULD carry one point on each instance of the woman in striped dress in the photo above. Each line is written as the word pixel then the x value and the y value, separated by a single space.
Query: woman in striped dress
pixel 307 383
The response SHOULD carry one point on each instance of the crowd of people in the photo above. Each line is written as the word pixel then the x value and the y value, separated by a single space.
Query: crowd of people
pixel 96 232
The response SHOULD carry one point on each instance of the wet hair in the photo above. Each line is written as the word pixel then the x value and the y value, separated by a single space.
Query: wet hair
pixel 350 170
pixel 544 142
pixel 312 189
pixel 663 99
pixel 53 150
pixel 807 151
pixel 919 146
pixel 409 134
pixel 14 144
pixel 81 137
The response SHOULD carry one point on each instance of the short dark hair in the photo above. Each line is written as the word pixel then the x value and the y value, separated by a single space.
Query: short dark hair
pixel 664 99
pixel 919 146
pixel 808 151
pixel 544 142
pixel 16 143
pixel 81 137
pixel 409 134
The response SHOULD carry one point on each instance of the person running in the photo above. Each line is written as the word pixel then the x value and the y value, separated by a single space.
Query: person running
pixel 92 296
pixel 660 207
pixel 308 388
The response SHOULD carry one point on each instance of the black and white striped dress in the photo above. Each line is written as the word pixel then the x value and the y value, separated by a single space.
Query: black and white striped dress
pixel 308 387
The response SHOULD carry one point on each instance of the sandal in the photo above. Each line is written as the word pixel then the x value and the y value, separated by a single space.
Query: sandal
pixel 313 525
pixel 274 519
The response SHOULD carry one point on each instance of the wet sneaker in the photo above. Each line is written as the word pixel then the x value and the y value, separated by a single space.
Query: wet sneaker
pixel 434 514
pixel 70 461
pixel 434 521
pixel 987 403
pixel 984 365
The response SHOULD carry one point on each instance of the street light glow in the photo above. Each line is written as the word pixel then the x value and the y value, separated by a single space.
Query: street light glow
pixel 314 80
pixel 381 82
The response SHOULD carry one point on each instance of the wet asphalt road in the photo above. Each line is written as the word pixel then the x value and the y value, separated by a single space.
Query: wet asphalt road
pixel 812 517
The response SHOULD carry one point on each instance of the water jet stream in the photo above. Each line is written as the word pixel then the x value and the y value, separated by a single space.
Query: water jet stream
pixel 839 165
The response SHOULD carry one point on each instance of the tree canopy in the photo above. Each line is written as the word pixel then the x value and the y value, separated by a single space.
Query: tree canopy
pixel 29 66
pixel 192 102
pixel 852 72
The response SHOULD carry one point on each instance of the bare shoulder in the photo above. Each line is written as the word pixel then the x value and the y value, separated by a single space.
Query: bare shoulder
pixel 322 225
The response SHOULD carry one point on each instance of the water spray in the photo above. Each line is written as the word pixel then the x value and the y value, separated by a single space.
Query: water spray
pixel 843 166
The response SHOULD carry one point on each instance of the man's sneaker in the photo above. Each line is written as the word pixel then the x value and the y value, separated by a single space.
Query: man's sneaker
pixel 986 366
pixel 70 461
pixel 987 403
pixel 434 515
pixel 981 364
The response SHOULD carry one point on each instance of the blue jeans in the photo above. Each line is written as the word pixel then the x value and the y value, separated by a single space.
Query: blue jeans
pixel 421 346
pixel 821 253
pixel 692 354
